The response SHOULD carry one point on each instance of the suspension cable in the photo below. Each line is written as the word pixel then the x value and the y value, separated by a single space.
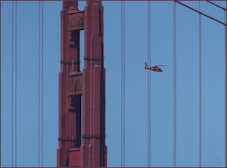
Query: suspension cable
pixel 200 91
pixel 225 38
pixel 12 87
pixel 149 85
pixel 42 94
pixel 216 5
pixel 0 83
pixel 16 87
pixel 39 91
pixel 199 12
pixel 122 83
pixel 14 84
pixel 174 86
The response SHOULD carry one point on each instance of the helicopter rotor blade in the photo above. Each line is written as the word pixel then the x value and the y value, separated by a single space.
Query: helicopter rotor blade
pixel 161 65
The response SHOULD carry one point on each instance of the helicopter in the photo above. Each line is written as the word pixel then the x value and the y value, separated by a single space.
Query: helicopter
pixel 155 68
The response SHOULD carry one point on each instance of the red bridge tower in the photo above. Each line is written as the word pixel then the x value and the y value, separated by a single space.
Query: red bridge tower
pixel 86 149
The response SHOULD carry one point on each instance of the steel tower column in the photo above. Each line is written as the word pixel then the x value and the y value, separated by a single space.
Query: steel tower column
pixel 68 152
pixel 93 140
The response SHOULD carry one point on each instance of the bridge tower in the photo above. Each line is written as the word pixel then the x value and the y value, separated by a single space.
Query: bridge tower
pixel 82 130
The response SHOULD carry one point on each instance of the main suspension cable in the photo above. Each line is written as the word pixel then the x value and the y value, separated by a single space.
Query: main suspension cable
pixel 200 91
pixel 123 84
pixel 149 84
pixel 216 5
pixel 199 12
pixel 174 87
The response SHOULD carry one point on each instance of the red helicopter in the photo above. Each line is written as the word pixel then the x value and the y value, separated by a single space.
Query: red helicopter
pixel 155 68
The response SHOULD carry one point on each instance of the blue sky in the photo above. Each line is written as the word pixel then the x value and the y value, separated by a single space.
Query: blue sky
pixel 213 83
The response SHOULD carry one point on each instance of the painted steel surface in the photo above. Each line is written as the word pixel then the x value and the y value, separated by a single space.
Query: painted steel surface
pixel 69 100
pixel 93 137
pixel 90 84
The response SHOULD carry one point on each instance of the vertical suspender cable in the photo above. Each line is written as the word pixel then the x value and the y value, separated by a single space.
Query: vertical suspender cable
pixel 225 20
pixel 42 95
pixel 16 87
pixel 0 84
pixel 149 84
pixel 12 112
pixel 39 91
pixel 122 83
pixel 226 64
pixel 174 86
pixel 200 92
